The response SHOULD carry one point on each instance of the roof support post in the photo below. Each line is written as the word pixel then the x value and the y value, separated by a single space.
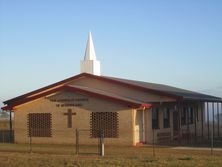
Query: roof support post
pixel 218 120
pixel 195 122
pixel 143 126
pixel 213 119
pixel 10 125
pixel 220 114
pixel 179 123
pixel 208 125
pixel 188 127
pixel 202 121
pixel 212 130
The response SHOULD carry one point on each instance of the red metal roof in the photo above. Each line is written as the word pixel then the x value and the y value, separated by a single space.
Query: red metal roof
pixel 164 90
pixel 63 82
pixel 82 90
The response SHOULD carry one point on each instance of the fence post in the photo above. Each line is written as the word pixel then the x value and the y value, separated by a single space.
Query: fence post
pixel 212 140
pixel 212 130
pixel 153 144
pixel 77 141
pixel 99 142
pixel 102 143
pixel 3 136
pixel 30 140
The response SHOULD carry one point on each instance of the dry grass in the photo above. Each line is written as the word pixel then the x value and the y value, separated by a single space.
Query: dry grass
pixel 14 155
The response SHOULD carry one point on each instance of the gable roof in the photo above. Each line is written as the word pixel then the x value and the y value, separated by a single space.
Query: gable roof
pixel 159 89
pixel 66 81
pixel 82 90
pixel 178 92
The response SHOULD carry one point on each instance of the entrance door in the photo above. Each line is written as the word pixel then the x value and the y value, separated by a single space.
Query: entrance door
pixel 175 124
pixel 139 127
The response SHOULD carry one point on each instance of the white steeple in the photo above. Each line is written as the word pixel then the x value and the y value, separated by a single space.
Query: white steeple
pixel 90 64
pixel 90 51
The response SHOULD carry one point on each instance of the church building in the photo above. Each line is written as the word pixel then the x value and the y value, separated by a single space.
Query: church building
pixel 129 112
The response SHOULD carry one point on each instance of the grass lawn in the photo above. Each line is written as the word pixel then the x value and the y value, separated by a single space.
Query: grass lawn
pixel 17 155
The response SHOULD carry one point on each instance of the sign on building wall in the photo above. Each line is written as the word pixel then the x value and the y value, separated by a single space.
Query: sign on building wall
pixel 68 102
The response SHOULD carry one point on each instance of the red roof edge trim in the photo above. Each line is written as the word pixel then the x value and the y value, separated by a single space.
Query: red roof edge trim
pixel 25 100
pixel 5 108
pixel 44 88
pixel 146 105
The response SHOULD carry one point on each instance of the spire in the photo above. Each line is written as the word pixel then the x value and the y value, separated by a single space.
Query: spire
pixel 90 64
pixel 90 51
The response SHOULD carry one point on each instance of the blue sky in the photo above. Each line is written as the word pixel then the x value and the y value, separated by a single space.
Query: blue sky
pixel 172 42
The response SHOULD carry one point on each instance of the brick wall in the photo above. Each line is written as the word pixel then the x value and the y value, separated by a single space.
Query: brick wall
pixel 81 106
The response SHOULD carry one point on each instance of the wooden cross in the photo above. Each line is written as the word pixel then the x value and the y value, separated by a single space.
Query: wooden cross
pixel 69 116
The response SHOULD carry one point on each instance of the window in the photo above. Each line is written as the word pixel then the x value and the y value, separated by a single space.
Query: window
pixel 191 115
pixel 166 118
pixel 184 116
pixel 39 124
pixel 106 121
pixel 155 118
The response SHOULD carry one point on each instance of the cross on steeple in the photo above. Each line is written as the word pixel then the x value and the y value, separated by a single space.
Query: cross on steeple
pixel 69 116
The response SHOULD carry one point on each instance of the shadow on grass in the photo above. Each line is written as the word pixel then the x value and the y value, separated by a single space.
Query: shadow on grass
pixel 187 158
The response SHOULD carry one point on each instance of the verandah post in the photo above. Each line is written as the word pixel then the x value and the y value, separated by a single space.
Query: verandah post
pixel 220 113
pixel 179 123
pixel 212 130
pixel 188 127
pixel 202 119
pixel 208 124
pixel 213 118
pixel 218 121
pixel 195 123
pixel 10 125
